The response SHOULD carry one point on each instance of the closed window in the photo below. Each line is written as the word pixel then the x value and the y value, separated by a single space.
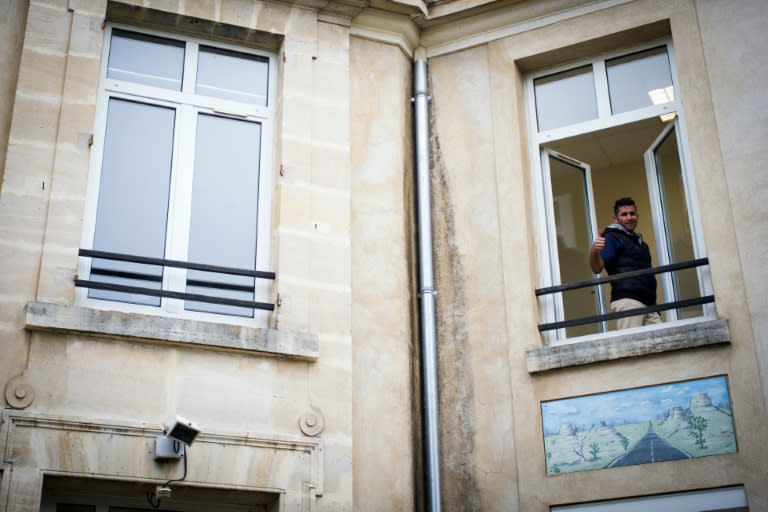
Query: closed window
pixel 180 172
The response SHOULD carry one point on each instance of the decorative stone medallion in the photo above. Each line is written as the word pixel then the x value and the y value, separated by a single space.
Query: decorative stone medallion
pixel 18 393
pixel 312 422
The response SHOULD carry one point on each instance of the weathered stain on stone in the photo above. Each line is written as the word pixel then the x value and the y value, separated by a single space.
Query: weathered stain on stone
pixel 460 489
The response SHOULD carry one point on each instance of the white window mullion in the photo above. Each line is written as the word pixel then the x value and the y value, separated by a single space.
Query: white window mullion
pixel 601 90
pixel 607 122
pixel 190 68
pixel 181 203
pixel 141 92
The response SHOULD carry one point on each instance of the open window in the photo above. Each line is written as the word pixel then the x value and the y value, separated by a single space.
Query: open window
pixel 606 129
pixel 180 179
pixel 573 226
pixel 667 188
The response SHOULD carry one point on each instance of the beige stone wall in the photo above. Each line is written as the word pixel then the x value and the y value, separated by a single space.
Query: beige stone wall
pixel 733 44
pixel 343 235
pixel 488 266
pixel 238 397
pixel 384 397
pixel 35 143
pixel 13 15
pixel 478 444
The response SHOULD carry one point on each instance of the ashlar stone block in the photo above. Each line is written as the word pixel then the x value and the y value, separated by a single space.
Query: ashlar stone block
pixel 48 28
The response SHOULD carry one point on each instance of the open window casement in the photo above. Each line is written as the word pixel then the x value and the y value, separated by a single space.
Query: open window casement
pixel 667 187
pixel 572 228
pixel 603 129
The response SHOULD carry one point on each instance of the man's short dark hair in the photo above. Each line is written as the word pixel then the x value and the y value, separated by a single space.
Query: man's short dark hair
pixel 624 201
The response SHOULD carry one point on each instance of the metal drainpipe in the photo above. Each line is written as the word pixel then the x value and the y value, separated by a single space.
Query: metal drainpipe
pixel 426 284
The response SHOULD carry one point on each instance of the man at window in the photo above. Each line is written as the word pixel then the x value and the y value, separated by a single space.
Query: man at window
pixel 620 249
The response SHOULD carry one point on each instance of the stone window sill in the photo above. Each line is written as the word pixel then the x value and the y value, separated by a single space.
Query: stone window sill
pixel 43 316
pixel 630 343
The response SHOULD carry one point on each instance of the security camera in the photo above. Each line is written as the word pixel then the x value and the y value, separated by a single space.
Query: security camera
pixel 183 430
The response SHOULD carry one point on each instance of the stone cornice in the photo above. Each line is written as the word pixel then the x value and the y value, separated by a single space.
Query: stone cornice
pixel 487 23
pixel 453 26
pixel 386 27
pixel 440 27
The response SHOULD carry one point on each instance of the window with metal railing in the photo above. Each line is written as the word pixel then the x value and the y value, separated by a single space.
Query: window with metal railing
pixel 100 281
pixel 180 173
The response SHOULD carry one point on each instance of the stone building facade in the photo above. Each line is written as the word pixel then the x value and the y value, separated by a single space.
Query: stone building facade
pixel 280 133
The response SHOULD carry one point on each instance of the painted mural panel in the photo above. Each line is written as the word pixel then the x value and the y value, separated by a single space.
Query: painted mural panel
pixel 679 420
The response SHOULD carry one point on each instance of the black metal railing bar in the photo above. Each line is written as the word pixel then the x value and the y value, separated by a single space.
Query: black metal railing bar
pixel 195 297
pixel 708 299
pixel 153 292
pixel 607 279
pixel 176 264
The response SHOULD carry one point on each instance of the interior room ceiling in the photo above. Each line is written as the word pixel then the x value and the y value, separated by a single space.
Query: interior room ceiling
pixel 613 146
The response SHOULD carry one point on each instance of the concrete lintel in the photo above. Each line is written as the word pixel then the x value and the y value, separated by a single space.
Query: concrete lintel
pixel 162 20
pixel 638 342
pixel 121 450
pixel 42 316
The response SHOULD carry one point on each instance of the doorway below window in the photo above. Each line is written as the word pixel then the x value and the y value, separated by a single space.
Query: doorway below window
pixel 69 494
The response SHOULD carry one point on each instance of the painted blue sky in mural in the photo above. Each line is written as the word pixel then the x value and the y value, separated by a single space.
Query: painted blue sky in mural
pixel 630 406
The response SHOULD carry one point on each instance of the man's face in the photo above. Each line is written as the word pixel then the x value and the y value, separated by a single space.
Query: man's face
pixel 627 217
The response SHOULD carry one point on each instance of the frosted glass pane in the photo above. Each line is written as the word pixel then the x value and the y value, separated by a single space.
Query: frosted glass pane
pixel 132 210
pixel 232 75
pixel 565 98
pixel 639 80
pixel 572 219
pixel 223 224
pixel 147 60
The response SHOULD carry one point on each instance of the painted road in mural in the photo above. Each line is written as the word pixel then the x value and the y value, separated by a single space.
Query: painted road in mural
pixel 651 448
pixel 675 421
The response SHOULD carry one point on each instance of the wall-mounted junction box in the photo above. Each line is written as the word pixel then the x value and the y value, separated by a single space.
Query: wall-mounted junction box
pixel 168 449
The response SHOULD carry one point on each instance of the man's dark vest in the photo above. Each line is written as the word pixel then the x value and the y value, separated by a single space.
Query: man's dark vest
pixel 633 254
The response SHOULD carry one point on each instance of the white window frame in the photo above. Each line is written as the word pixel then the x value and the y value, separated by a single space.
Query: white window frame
pixel 555 300
pixel 660 227
pixel 188 105
pixel 546 246
pixel 724 499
